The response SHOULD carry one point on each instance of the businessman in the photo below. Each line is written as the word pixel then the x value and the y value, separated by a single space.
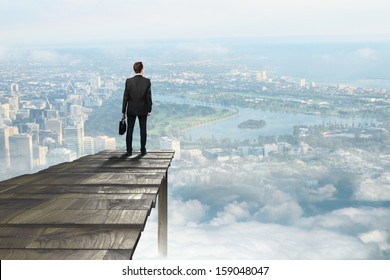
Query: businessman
pixel 137 102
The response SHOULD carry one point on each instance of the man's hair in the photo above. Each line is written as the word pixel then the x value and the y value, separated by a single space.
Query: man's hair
pixel 138 66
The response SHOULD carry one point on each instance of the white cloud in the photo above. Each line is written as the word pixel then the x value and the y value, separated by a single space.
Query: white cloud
pixel 253 240
pixel 374 190
pixel 352 221
pixel 232 213
pixel 283 213
pixel 279 206
pixel 188 212
pixel 379 237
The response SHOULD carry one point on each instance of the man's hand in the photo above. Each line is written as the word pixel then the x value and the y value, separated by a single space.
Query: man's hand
pixel 123 116
pixel 149 114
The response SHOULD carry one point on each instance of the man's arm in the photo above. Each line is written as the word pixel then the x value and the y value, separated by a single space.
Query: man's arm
pixel 125 99
pixel 149 97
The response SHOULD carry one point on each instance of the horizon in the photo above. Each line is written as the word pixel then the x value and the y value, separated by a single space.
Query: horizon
pixel 74 22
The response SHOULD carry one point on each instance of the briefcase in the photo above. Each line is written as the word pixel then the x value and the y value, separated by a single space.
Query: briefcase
pixel 122 126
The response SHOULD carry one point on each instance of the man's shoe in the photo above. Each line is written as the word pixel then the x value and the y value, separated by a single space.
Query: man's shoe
pixel 143 152
pixel 129 154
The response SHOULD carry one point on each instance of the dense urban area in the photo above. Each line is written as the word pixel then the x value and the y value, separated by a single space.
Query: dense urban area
pixel 59 112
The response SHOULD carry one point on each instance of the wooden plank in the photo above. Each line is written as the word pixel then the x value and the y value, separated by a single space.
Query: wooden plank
pixel 105 170
pixel 68 238
pixel 77 204
pixel 45 196
pixel 128 218
pixel 14 179
pixel 33 254
pixel 19 203
pixel 149 152
pixel 121 156
pixel 117 164
pixel 6 215
pixel 120 178
pixel 90 179
pixel 85 189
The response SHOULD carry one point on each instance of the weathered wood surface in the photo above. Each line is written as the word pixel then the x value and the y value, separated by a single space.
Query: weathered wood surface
pixel 67 189
pixel 103 178
pixel 153 164
pixel 68 238
pixel 52 254
pixel 93 208
pixel 35 203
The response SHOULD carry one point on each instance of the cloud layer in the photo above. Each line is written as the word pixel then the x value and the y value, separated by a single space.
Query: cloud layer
pixel 273 210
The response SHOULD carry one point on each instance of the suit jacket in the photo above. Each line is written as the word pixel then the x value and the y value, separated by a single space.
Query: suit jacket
pixel 137 97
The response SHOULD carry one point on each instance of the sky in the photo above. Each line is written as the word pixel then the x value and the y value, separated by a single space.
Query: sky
pixel 39 22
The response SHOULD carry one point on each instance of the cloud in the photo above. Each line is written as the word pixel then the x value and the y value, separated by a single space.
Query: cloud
pixel 188 212
pixel 271 210
pixel 374 190
pixel 254 240
pixel 232 213
pixel 351 221
pixel 379 237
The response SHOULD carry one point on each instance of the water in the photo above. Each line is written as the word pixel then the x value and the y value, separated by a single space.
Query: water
pixel 277 123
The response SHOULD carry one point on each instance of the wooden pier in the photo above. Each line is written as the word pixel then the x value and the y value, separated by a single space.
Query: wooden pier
pixel 93 208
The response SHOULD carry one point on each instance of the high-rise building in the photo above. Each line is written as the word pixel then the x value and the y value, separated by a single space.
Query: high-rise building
pixel 21 152
pixel 4 111
pixel 59 155
pixel 5 133
pixel 98 82
pixel 89 145
pixel 55 125
pixel 49 138
pixel 74 139
pixel 169 143
pixel 76 110
pixel 39 154
pixel 33 130
pixel 52 114
pixel 104 143
pixel 261 76
pixel 302 82
pixel 13 102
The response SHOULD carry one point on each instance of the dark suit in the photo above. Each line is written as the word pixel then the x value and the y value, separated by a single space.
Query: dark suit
pixel 137 102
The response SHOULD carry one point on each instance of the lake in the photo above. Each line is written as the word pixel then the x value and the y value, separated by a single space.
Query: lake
pixel 277 123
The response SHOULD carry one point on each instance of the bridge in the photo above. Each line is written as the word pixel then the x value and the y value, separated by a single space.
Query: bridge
pixel 93 208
